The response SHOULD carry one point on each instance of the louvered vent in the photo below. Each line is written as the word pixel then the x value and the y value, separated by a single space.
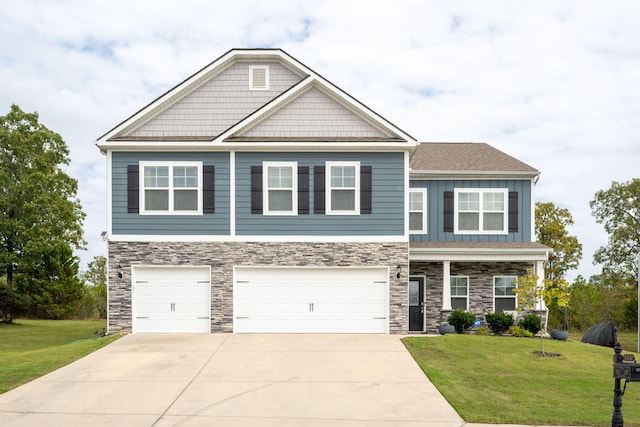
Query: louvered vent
pixel 259 77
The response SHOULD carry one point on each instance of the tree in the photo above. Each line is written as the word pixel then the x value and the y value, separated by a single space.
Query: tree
pixel 95 288
pixel 553 292
pixel 52 287
pixel 618 209
pixel 38 205
pixel 551 230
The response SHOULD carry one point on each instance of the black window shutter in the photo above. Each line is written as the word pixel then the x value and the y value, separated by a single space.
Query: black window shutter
pixel 318 189
pixel 303 190
pixel 208 189
pixel 133 189
pixel 448 211
pixel 513 211
pixel 256 189
pixel 365 189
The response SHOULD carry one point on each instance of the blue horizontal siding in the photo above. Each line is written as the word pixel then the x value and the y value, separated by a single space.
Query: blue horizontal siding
pixel 133 223
pixel 387 217
pixel 435 210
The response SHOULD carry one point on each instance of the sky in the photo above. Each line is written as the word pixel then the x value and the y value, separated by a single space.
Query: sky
pixel 555 84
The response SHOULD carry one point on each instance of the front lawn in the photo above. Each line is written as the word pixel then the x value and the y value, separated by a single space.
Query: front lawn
pixel 32 348
pixel 495 379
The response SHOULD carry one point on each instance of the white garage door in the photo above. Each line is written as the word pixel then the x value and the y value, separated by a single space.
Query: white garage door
pixel 311 300
pixel 171 299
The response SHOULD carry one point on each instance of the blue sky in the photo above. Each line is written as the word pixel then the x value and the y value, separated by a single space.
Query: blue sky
pixel 553 83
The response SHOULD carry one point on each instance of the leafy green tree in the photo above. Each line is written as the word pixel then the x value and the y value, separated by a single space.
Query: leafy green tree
pixel 551 230
pixel 618 209
pixel 95 288
pixel 52 286
pixel 38 205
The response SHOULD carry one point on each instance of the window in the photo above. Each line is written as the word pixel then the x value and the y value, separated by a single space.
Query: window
pixel 504 298
pixel 280 186
pixel 459 292
pixel 418 211
pixel 343 188
pixel 259 77
pixel 481 211
pixel 171 188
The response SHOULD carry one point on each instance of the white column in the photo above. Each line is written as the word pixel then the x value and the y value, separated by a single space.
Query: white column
pixel 446 285
pixel 539 271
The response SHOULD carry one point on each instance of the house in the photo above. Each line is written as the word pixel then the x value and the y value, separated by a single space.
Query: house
pixel 472 232
pixel 258 197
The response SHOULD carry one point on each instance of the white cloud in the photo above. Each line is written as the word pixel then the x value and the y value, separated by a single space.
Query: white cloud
pixel 553 83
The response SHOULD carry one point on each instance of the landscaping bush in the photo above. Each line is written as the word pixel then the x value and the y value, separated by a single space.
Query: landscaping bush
pixel 517 331
pixel 461 320
pixel 499 322
pixel 531 322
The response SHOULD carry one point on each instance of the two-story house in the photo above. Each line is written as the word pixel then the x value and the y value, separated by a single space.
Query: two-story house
pixel 256 196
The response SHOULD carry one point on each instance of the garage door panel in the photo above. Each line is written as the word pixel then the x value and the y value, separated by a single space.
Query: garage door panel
pixel 331 300
pixel 171 299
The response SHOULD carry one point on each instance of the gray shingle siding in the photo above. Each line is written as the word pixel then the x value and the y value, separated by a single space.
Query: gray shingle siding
pixel 219 103
pixel 435 215
pixel 314 114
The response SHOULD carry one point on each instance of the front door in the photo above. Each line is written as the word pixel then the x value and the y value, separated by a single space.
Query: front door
pixel 416 304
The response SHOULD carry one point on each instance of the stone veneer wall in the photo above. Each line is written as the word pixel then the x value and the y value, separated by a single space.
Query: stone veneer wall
pixel 480 286
pixel 223 256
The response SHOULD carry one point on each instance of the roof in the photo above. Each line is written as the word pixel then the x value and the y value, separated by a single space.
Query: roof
pixel 466 158
pixel 235 127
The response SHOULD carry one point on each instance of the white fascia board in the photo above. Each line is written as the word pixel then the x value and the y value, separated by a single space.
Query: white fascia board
pixel 253 146
pixel 256 239
pixel 485 175
pixel 476 255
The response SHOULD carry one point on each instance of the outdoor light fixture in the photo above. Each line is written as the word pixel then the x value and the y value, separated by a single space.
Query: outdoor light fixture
pixel 398 268
pixel 119 270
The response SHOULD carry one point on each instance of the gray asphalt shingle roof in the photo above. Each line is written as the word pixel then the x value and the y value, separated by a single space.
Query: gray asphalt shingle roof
pixel 467 157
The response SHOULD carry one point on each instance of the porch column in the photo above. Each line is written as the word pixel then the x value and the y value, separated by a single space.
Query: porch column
pixel 539 271
pixel 446 285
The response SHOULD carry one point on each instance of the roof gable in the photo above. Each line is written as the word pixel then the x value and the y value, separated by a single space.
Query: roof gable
pixel 216 105
pixel 313 115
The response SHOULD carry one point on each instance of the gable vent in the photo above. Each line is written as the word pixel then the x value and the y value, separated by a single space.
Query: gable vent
pixel 259 77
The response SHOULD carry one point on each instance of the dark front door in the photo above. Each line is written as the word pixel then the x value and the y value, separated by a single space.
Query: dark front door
pixel 416 304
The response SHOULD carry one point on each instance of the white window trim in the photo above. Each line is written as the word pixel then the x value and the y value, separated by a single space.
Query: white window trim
pixel 482 191
pixel 171 189
pixel 328 188
pixel 460 296
pixel 266 77
pixel 424 210
pixel 493 285
pixel 265 188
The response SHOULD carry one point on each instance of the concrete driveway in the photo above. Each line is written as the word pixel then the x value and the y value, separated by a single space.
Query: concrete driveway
pixel 235 380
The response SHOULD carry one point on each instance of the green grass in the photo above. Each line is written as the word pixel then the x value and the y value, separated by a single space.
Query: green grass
pixel 32 348
pixel 494 379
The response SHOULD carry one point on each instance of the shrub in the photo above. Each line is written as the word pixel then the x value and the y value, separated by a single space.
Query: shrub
pixel 461 320
pixel 517 331
pixel 531 322
pixel 499 322
pixel 483 330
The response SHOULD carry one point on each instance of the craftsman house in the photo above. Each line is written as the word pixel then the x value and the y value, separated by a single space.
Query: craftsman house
pixel 256 196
